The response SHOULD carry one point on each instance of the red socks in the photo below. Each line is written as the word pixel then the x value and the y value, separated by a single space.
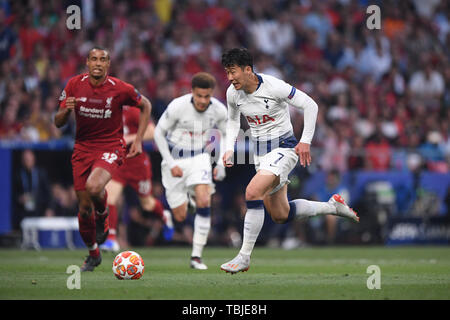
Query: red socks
pixel 159 210
pixel 87 232
pixel 112 222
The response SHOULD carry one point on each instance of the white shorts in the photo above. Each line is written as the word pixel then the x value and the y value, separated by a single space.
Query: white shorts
pixel 279 161
pixel 196 170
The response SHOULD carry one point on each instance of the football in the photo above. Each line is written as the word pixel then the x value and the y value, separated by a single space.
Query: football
pixel 128 265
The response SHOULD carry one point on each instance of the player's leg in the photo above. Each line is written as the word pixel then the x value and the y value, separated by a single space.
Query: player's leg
pixel 81 164
pixel 179 212
pixel 95 186
pixel 257 189
pixel 281 162
pixel 150 204
pixel 114 190
pixel 277 205
pixel 262 183
pixel 175 191
pixel 301 208
pixel 202 224
pixel 86 222
pixel 282 211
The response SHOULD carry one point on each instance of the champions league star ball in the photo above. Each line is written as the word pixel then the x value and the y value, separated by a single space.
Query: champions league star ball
pixel 128 265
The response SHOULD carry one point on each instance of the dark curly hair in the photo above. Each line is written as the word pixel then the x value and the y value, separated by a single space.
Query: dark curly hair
pixel 240 57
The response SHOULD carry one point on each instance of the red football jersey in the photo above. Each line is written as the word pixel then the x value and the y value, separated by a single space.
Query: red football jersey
pixel 98 112
pixel 131 116
pixel 130 119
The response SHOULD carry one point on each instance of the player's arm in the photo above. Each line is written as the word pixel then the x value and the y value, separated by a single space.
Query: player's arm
pixel 148 135
pixel 232 130
pixel 219 172
pixel 301 100
pixel 144 118
pixel 67 104
pixel 165 124
pixel 62 116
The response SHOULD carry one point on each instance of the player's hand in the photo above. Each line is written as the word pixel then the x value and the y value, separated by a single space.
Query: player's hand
pixel 219 173
pixel 228 159
pixel 176 171
pixel 304 153
pixel 71 102
pixel 135 149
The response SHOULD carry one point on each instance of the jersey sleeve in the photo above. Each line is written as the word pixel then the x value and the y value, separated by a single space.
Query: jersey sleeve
pixel 233 121
pixel 67 92
pixel 169 117
pixel 132 95
pixel 300 100
pixel 282 91
pixel 222 126
pixel 165 125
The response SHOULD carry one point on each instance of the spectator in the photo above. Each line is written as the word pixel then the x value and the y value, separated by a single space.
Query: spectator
pixel 427 86
pixel 378 153
pixel 356 159
pixel 432 152
pixel 31 189
pixel 317 19
pixel 377 60
pixel 63 202
pixel 8 37
pixel 10 127
pixel 336 151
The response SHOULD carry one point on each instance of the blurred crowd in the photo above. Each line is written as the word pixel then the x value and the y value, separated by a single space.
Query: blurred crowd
pixel 379 91
pixel 383 95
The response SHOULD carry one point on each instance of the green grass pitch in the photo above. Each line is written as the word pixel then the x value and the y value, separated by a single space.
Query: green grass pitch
pixel 312 273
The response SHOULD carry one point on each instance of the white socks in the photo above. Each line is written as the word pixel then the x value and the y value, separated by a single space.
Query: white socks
pixel 202 224
pixel 307 209
pixel 254 218
pixel 253 222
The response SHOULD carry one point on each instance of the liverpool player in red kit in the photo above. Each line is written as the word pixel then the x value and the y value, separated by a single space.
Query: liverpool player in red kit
pixel 97 99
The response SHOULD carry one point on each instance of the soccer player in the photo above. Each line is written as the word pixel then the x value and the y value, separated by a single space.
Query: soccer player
pixel 97 99
pixel 136 172
pixel 186 167
pixel 264 101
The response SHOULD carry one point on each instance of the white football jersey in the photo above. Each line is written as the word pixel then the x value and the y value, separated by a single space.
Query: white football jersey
pixel 267 110
pixel 184 128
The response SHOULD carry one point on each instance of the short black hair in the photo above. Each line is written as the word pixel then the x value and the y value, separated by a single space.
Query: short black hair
pixel 203 80
pixel 98 48
pixel 240 57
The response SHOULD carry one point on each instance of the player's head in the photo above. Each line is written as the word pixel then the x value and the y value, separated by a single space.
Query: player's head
pixel 203 85
pixel 98 62
pixel 238 64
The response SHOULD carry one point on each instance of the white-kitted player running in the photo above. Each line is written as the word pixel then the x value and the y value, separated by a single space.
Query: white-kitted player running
pixel 264 101
pixel 182 135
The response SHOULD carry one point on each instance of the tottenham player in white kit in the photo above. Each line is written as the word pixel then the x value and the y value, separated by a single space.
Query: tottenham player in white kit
pixel 186 167
pixel 264 101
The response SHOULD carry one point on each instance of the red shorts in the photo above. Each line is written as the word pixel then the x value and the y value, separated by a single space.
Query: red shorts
pixel 137 173
pixel 84 161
